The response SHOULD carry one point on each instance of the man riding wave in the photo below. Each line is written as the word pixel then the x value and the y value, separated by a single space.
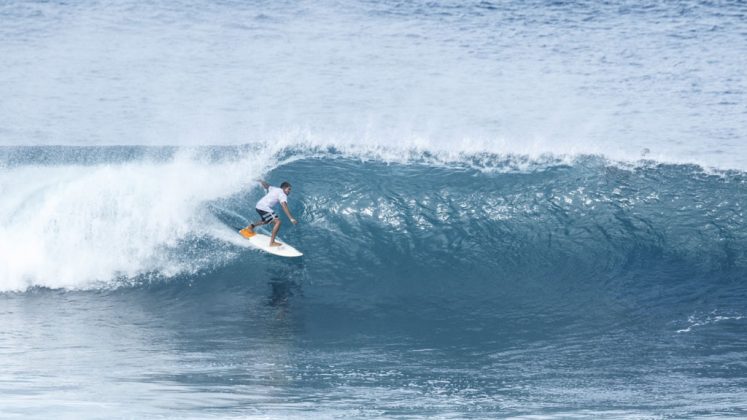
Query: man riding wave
pixel 264 207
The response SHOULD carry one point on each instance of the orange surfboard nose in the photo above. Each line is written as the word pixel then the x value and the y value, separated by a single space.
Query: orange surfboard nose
pixel 245 233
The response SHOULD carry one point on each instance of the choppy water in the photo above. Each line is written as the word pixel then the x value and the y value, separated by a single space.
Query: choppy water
pixel 506 209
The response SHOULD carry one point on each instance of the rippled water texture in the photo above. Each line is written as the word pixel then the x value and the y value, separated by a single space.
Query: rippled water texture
pixel 621 79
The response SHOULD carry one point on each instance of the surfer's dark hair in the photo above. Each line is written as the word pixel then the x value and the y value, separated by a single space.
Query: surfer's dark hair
pixel 285 185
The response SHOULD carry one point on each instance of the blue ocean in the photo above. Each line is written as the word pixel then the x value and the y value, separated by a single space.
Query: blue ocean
pixel 507 209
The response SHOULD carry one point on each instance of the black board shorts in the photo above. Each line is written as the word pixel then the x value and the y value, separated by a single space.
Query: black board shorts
pixel 267 216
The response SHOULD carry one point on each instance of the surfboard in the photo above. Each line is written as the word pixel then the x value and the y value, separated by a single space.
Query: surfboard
pixel 262 241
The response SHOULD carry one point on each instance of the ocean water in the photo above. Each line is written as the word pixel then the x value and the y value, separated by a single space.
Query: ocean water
pixel 507 209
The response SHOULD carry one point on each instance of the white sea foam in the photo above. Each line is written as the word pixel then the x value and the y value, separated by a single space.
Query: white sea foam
pixel 698 320
pixel 73 226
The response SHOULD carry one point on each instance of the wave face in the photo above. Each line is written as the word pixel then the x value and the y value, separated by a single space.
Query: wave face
pixel 642 238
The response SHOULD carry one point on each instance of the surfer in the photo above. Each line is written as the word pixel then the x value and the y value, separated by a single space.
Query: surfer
pixel 264 208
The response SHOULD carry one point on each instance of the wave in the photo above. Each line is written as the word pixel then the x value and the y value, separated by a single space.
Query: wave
pixel 485 227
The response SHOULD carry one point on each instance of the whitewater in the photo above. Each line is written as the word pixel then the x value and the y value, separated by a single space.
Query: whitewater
pixel 506 209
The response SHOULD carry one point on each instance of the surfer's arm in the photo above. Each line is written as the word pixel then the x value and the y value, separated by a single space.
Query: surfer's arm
pixel 264 183
pixel 288 213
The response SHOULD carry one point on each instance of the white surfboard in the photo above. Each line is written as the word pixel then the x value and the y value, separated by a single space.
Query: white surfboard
pixel 262 241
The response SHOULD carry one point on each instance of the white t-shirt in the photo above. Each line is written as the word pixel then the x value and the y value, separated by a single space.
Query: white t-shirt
pixel 274 195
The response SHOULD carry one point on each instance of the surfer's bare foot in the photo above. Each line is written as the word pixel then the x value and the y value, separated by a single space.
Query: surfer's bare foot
pixel 275 244
pixel 249 228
